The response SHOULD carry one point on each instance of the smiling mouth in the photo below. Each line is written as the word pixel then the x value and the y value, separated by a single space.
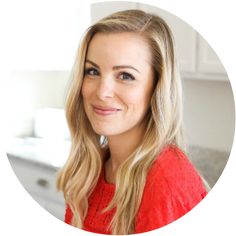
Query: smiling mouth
pixel 104 111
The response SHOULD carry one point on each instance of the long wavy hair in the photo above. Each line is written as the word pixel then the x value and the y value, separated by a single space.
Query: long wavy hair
pixel 80 174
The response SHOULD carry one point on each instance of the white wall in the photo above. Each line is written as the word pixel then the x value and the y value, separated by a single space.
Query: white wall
pixel 28 91
pixel 209 113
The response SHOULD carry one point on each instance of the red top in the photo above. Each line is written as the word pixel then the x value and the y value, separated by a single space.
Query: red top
pixel 173 188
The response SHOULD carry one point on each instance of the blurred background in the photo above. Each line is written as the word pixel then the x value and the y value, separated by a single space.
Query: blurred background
pixel 39 141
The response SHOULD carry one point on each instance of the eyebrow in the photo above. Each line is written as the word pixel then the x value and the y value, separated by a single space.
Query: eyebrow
pixel 114 67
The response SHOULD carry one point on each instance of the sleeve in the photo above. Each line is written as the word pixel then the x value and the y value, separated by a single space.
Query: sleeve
pixel 173 188
pixel 68 215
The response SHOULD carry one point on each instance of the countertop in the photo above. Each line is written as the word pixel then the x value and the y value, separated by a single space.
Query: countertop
pixel 50 153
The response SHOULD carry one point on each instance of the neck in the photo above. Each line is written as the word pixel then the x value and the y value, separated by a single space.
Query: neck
pixel 121 146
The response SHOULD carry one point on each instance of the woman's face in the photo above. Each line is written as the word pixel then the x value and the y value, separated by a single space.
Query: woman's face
pixel 118 82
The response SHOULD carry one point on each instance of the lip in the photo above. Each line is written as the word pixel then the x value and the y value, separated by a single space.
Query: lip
pixel 105 110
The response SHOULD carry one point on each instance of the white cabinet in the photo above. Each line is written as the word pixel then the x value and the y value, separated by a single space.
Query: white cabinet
pixel 186 49
pixel 40 183
pixel 208 61
pixel 185 37
pixel 196 58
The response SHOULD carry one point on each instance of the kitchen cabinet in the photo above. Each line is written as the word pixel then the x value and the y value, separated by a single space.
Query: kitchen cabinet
pixel 196 59
pixel 39 180
pixel 184 36
pixel 208 61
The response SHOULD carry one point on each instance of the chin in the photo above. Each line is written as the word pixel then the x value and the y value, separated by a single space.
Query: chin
pixel 105 131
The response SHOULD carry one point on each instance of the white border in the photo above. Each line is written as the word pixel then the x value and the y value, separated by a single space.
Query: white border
pixel 21 215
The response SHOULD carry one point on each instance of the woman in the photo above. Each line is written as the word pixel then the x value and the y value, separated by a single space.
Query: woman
pixel 126 172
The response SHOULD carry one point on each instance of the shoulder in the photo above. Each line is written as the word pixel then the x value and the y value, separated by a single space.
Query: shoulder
pixel 173 166
pixel 173 187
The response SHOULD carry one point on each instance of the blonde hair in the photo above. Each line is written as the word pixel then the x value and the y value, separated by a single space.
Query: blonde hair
pixel 79 176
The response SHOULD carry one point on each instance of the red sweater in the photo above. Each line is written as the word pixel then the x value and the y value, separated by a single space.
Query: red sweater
pixel 173 188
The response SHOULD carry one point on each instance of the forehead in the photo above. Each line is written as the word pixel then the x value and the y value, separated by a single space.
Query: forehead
pixel 119 48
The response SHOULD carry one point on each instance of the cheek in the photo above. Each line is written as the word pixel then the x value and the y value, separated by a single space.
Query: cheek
pixel 86 90
pixel 137 99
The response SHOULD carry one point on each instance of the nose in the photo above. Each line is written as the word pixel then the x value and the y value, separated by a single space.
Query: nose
pixel 105 88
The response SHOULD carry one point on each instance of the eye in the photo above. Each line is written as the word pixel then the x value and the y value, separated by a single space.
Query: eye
pixel 91 71
pixel 126 76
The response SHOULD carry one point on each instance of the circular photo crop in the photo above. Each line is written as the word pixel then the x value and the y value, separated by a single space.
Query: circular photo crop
pixel 134 133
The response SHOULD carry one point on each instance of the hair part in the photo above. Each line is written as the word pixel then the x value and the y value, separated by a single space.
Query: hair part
pixel 78 178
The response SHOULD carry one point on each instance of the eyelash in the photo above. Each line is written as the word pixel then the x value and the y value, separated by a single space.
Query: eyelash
pixel 89 70
pixel 131 77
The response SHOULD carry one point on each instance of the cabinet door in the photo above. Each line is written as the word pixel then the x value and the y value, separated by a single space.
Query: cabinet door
pixel 37 180
pixel 54 208
pixel 40 184
pixel 184 35
pixel 57 210
pixel 208 61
